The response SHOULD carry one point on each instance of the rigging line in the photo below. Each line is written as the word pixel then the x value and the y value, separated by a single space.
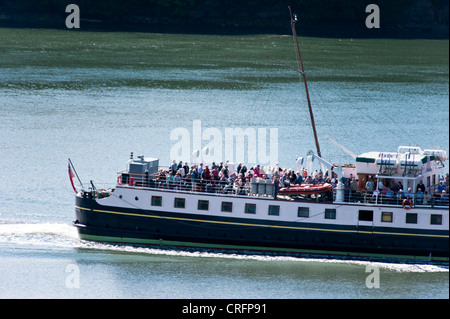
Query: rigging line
pixel 334 129
pixel 323 113
pixel 400 138
pixel 256 103
pixel 242 225
pixel 147 210
pixel 315 215
pixel 176 220
pixel 265 101
pixel 355 106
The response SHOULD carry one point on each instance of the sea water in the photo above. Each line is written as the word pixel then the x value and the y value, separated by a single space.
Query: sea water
pixel 95 97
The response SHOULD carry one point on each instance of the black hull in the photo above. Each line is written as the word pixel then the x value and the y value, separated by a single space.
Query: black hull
pixel 146 227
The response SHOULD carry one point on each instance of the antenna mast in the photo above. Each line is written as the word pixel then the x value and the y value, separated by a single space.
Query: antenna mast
pixel 294 34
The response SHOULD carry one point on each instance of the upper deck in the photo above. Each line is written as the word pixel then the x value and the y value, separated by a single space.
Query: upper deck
pixel 409 178
pixel 267 188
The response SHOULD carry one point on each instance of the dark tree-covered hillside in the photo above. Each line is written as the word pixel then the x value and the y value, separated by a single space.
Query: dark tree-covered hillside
pixel 399 18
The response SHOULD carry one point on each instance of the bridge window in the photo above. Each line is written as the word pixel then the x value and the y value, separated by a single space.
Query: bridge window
pixel 411 218
pixel 330 213
pixel 203 204
pixel 386 217
pixel 180 203
pixel 303 212
pixel 365 215
pixel 227 207
pixel 156 200
pixel 436 219
pixel 250 208
pixel 274 210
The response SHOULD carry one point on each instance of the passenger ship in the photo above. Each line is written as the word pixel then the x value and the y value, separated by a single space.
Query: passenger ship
pixel 144 209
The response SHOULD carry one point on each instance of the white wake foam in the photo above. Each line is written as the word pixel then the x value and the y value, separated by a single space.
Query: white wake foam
pixel 57 234
pixel 399 267
pixel 55 229
pixel 47 234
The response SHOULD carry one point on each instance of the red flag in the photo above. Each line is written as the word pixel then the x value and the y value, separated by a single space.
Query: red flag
pixel 71 176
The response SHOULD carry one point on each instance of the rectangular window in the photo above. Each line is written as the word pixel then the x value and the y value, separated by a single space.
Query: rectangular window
pixel 386 217
pixel 330 213
pixel 180 203
pixel 250 208
pixel 303 212
pixel 203 204
pixel 411 218
pixel 436 219
pixel 156 201
pixel 227 207
pixel 274 210
pixel 365 215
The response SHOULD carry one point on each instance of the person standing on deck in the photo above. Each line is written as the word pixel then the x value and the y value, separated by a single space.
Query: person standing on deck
pixel 420 186
pixel 370 186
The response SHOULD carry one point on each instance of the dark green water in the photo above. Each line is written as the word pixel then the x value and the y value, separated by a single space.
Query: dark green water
pixel 134 60
pixel 96 96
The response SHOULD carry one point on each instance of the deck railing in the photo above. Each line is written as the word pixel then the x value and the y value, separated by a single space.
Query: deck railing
pixel 400 199
pixel 267 188
pixel 261 187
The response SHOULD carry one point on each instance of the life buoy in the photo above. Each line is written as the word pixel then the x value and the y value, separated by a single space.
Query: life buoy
pixel 407 204
pixel 119 179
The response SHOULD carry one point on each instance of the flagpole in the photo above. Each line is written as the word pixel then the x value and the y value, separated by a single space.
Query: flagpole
pixel 71 176
pixel 71 165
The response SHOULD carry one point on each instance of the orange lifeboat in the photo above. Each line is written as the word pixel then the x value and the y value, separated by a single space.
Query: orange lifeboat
pixel 306 189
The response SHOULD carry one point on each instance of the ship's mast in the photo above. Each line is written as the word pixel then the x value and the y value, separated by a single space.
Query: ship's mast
pixel 294 34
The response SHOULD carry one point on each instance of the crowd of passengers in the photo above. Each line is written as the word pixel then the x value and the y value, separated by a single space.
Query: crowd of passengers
pixel 218 178
pixel 374 190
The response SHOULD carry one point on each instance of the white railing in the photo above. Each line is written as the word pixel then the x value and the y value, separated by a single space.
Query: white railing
pixel 398 199
pixel 267 188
